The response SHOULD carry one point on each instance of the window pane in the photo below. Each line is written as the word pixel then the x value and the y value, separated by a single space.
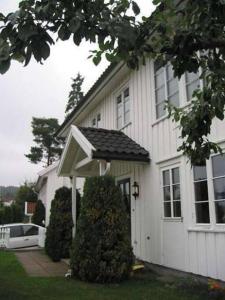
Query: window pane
pixel 191 77
pixel 160 95
pixel 169 71
pixel 177 209
pixel 127 117
pixel 218 163
pixel 126 93
pixel 16 231
pixel 159 78
pixel 219 188
pixel 99 117
pixel 119 122
pixel 127 106
pixel 191 88
pixel 30 230
pixel 119 99
pixel 172 86
pixel 202 212
pixel 166 191
pixel 174 100
pixel 200 172
pixel 176 192
pixel 166 177
pixel 160 110
pixel 175 175
pixel 167 209
pixel 220 211
pixel 201 191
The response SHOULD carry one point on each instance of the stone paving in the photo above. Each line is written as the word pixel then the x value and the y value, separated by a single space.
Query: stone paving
pixel 37 263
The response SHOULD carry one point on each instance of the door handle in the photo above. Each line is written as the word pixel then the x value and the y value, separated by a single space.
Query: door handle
pixel 26 240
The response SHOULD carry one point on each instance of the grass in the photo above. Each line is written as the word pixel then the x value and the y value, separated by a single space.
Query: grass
pixel 15 284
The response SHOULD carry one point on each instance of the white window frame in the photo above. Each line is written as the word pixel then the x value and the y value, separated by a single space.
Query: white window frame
pixel 170 168
pixel 166 90
pixel 121 93
pixel 212 210
pixel 96 121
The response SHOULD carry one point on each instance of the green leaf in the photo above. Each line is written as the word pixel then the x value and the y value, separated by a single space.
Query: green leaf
pixel 45 51
pixel 97 59
pixel 74 25
pixel 4 66
pixel 136 8
pixel 64 33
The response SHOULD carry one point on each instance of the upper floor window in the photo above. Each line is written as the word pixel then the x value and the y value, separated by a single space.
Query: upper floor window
pixel 166 88
pixel 171 193
pixel 204 211
pixel 123 108
pixel 96 121
pixel 192 82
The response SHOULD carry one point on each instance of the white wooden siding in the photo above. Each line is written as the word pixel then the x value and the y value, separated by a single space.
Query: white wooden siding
pixel 154 239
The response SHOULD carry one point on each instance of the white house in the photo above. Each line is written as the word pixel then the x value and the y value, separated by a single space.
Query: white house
pixel 121 128
pixel 48 182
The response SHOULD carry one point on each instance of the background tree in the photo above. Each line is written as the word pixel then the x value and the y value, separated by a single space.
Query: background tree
pixel 38 217
pixel 190 34
pixel 25 193
pixel 48 147
pixel 59 231
pixel 76 94
pixel 102 250
pixel 11 214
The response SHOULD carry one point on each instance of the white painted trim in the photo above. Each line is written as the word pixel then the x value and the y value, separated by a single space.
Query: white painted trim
pixel 167 159
pixel 82 163
pixel 48 168
pixel 81 140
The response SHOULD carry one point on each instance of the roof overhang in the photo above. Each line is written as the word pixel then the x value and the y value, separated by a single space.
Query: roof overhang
pixel 85 147
pixel 43 175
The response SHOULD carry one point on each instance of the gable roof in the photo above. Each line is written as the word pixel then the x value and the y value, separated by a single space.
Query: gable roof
pixel 114 145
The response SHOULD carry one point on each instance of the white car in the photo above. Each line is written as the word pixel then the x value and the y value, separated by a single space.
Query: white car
pixel 23 235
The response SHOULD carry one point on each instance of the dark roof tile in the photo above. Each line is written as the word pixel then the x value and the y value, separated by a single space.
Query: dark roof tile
pixel 114 145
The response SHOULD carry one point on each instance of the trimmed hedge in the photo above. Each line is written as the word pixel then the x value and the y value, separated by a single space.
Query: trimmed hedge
pixel 39 215
pixel 11 214
pixel 59 232
pixel 101 251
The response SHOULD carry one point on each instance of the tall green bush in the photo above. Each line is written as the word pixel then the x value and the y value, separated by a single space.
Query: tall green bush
pixel 101 250
pixel 59 232
pixel 11 214
pixel 38 217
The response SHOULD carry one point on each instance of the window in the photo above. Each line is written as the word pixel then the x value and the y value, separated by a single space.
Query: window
pixel 171 193
pixel 201 194
pixel 204 211
pixel 218 170
pixel 192 83
pixel 123 109
pixel 96 121
pixel 16 231
pixel 166 88
pixel 30 230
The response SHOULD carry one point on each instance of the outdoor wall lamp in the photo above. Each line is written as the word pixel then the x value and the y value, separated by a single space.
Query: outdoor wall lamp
pixel 135 187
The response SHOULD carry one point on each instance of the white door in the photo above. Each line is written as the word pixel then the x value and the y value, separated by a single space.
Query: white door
pixel 16 239
pixel 30 235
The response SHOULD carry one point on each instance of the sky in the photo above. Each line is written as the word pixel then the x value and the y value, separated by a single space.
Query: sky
pixel 39 91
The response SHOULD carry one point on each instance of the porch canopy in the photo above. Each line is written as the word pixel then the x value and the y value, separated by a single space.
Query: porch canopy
pixel 90 151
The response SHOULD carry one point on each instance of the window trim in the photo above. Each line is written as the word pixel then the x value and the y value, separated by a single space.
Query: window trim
pixel 170 167
pixel 212 212
pixel 120 92
pixel 96 120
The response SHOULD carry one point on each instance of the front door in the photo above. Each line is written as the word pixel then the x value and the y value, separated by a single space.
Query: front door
pixel 125 188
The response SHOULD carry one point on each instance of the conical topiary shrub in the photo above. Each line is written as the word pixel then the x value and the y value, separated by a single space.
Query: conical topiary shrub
pixel 59 232
pixel 101 251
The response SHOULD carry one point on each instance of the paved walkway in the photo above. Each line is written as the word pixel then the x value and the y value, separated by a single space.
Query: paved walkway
pixel 37 263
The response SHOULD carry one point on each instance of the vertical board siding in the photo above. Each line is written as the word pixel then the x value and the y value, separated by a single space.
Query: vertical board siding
pixel 206 254
pixel 169 243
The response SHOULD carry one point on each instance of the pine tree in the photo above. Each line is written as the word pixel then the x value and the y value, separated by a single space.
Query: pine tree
pixel 76 94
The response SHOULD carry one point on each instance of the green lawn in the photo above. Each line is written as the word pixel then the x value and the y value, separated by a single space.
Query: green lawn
pixel 15 284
